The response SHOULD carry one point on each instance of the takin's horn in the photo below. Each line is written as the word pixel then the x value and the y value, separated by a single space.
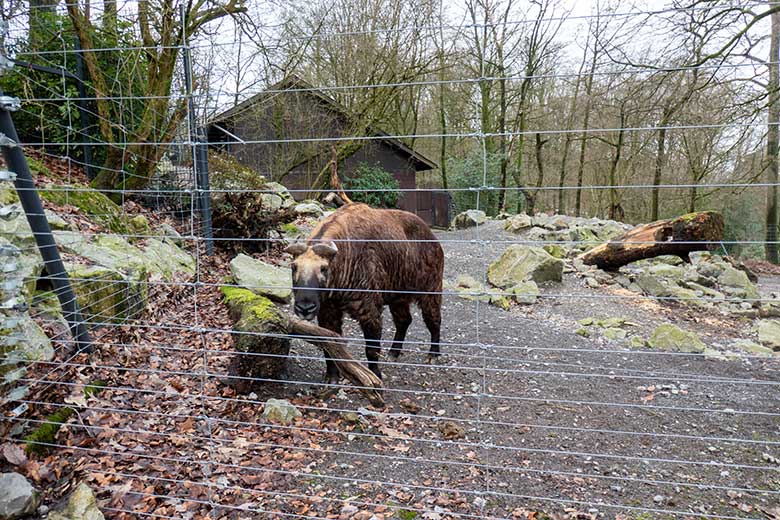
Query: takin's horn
pixel 296 248
pixel 326 250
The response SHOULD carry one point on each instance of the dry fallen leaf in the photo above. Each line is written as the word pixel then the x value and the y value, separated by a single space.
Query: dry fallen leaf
pixel 451 431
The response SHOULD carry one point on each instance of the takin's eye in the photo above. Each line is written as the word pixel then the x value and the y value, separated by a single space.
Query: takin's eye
pixel 324 271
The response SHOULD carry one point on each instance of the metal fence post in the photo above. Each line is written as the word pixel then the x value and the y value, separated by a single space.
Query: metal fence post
pixel 33 208
pixel 199 147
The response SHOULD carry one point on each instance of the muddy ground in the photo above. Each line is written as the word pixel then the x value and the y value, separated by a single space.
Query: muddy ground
pixel 520 416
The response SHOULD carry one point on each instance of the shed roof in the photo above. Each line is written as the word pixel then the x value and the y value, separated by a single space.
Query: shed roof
pixel 295 83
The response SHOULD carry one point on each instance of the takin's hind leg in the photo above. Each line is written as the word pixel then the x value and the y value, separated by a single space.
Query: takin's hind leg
pixel 430 307
pixel 402 318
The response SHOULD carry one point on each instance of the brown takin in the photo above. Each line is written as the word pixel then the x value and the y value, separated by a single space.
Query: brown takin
pixel 360 259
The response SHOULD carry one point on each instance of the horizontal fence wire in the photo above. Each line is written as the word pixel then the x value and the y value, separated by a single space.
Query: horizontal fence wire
pixel 516 133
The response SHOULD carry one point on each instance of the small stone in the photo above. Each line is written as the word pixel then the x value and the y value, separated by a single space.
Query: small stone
pixel 480 502
pixel 658 499
pixel 280 410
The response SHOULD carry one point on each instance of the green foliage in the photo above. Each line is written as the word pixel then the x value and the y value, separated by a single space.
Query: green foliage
pixel 48 116
pixel 369 177
pixel 469 172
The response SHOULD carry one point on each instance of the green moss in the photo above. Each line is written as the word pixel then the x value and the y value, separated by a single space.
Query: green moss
pixel 405 514
pixel 38 167
pixel 8 195
pixel 102 209
pixel 257 306
pixel 292 230
pixel 40 439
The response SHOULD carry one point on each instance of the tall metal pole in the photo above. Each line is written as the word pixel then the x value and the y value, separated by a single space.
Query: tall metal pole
pixel 199 149
pixel 33 208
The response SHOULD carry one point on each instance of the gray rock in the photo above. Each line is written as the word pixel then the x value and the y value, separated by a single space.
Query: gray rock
pixel 520 263
pixel 17 497
pixel 671 338
pixel 81 505
pixel 262 278
pixel 169 232
pixel 280 410
pixel 769 333
pixel 614 334
pixel 653 286
pixel 525 292
pixel 519 222
pixel 751 347
pixel 737 283
pixel 309 209
pixel 469 218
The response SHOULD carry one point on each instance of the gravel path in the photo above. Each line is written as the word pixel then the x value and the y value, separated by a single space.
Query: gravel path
pixel 523 413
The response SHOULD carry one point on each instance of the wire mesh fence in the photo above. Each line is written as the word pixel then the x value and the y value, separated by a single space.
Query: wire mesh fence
pixel 570 317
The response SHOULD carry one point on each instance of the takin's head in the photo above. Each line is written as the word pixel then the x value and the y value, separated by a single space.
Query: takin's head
pixel 310 275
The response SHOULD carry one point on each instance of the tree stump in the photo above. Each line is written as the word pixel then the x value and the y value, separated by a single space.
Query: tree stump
pixel 261 335
pixel 692 232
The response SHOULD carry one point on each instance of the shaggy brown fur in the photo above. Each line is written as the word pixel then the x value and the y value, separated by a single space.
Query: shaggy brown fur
pixel 360 259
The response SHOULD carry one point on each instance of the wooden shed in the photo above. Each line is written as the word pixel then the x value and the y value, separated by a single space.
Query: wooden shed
pixel 288 132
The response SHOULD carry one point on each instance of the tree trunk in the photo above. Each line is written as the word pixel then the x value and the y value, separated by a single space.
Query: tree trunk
pixel 568 138
pixel 773 141
pixel 584 134
pixel 660 162
pixel 502 142
pixel 615 208
pixel 680 236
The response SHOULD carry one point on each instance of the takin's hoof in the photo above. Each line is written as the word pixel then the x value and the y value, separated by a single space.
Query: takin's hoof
pixel 433 358
pixel 394 354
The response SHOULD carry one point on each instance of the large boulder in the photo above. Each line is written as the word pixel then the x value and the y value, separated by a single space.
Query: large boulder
pixel 520 263
pixel 91 202
pixel 310 209
pixel 769 333
pixel 518 223
pixel 81 505
pixel 737 283
pixel 262 278
pixel 107 295
pixel 674 339
pixel 17 497
pixel 469 218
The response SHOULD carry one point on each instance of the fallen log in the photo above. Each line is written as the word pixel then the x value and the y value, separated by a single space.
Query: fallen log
pixel 680 236
pixel 261 335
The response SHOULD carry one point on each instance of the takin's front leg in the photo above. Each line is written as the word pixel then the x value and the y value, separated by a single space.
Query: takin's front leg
pixel 372 331
pixel 331 319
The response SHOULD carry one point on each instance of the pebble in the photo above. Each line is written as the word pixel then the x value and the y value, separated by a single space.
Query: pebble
pixel 480 502
pixel 658 499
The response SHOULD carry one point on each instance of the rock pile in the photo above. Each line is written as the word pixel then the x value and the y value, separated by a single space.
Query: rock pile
pixel 708 281
pixel 575 234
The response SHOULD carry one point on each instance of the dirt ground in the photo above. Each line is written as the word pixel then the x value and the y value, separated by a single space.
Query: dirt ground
pixel 521 418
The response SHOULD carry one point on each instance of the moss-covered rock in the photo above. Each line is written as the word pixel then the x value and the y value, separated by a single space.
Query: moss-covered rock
pixel 525 293
pixel 91 202
pixel 674 339
pixel 262 278
pixel 107 295
pixel 168 259
pixel 258 336
pixel 82 505
pixel 520 263
pixel 769 333
pixel 139 225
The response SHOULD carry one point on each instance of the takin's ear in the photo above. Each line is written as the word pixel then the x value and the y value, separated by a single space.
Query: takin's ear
pixel 296 248
pixel 327 250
